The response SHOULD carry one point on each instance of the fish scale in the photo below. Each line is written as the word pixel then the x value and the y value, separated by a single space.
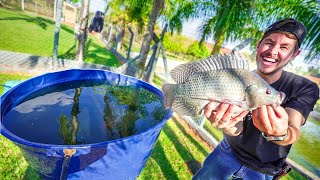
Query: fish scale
pixel 221 78
pixel 214 85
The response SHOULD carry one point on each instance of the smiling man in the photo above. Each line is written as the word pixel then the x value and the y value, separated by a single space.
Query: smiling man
pixel 256 144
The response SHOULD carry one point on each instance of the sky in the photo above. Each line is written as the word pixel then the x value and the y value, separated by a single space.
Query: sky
pixel 190 29
pixel 97 5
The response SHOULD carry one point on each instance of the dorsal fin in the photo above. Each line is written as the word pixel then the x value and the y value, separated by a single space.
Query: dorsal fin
pixel 212 63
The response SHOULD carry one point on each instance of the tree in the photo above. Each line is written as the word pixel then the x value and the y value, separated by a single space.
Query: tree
pixel 306 11
pixel 138 11
pixel 198 50
pixel 82 29
pixel 58 13
pixel 227 20
pixel 117 15
pixel 222 19
pixel 145 47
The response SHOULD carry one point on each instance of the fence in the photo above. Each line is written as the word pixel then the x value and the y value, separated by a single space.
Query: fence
pixel 44 8
pixel 41 7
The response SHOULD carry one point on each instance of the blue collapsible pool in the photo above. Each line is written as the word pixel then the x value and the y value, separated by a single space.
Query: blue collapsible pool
pixel 100 145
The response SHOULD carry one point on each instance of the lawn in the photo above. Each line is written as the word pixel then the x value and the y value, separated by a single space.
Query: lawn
pixel 26 33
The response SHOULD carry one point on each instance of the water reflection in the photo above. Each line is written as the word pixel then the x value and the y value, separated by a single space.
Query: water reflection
pixel 82 113
pixel 69 132
pixel 306 151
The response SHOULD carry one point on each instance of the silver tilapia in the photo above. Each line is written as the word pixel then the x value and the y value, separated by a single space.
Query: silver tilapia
pixel 222 78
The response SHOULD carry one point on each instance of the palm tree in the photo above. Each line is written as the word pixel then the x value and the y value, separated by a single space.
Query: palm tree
pixel 223 19
pixel 58 14
pixel 117 14
pixel 228 20
pixel 83 26
pixel 306 11
pixel 145 47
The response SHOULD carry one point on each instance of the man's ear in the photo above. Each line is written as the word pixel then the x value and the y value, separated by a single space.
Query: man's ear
pixel 258 44
pixel 295 54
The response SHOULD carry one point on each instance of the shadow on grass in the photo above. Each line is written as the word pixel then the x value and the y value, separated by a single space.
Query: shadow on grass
pixel 42 22
pixel 190 138
pixel 70 54
pixel 159 155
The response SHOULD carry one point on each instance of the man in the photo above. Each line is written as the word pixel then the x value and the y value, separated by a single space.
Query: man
pixel 256 144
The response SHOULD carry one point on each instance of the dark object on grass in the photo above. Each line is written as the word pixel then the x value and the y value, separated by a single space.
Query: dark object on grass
pixel 97 22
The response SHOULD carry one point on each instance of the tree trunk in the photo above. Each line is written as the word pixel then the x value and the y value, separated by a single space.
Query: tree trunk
pixel 217 46
pixel 122 32
pixel 74 113
pixel 82 38
pixel 58 14
pixel 145 47
pixel 22 5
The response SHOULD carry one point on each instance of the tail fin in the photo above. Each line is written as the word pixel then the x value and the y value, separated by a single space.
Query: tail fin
pixel 168 90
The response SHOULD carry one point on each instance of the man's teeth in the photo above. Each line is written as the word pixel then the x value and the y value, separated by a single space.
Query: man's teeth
pixel 269 59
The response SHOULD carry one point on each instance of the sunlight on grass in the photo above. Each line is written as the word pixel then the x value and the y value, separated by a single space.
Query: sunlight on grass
pixel 13 164
pixel 25 33
pixel 96 54
pixel 7 77
pixel 174 148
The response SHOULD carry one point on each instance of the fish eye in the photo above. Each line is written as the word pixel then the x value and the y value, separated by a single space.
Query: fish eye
pixel 268 91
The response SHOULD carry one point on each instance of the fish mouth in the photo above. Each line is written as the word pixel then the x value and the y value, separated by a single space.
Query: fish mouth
pixel 281 97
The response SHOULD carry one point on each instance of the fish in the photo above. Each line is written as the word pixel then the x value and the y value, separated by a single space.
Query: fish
pixel 218 78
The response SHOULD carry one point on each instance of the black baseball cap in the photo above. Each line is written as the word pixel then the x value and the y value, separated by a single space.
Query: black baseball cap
pixel 289 25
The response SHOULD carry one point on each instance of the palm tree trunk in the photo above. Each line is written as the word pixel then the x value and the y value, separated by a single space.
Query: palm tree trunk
pixel 84 17
pixel 217 46
pixel 58 14
pixel 75 111
pixel 145 47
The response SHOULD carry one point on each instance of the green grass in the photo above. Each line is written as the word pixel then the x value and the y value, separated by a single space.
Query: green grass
pixel 21 32
pixel 174 148
pixel 7 77
pixel 215 132
pixel 13 164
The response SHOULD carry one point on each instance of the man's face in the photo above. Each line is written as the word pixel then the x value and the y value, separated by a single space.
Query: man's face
pixel 274 52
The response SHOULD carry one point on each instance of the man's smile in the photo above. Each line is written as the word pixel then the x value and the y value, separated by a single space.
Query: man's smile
pixel 269 61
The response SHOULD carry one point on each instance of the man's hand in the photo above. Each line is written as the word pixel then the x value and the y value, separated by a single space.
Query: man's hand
pixel 228 117
pixel 272 121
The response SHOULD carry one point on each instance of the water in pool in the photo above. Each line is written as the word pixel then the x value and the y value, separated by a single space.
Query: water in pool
pixel 84 112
